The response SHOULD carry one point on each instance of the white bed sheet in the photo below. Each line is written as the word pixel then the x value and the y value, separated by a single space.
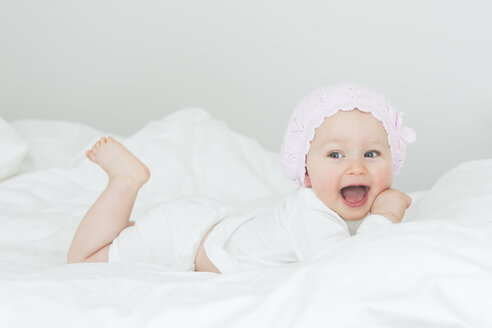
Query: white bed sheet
pixel 435 270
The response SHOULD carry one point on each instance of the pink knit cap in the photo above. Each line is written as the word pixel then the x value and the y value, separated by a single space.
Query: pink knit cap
pixel 327 101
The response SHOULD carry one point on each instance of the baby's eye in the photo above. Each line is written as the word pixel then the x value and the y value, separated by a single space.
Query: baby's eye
pixel 371 154
pixel 335 154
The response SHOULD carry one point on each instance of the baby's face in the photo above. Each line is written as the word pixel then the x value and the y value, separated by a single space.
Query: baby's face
pixel 349 163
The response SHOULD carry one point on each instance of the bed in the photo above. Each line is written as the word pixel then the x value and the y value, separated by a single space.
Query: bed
pixel 433 270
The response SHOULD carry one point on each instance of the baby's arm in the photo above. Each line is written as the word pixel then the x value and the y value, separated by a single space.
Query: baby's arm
pixel 308 224
pixel 109 215
pixel 392 204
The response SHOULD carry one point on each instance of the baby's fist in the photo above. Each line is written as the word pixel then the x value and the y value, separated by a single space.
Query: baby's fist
pixel 392 204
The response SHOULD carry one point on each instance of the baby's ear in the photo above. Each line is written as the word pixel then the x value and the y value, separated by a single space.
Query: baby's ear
pixel 307 181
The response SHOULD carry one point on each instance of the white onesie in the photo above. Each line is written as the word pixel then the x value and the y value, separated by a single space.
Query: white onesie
pixel 294 230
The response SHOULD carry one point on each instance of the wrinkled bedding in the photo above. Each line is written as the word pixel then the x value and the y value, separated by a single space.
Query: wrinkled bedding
pixel 433 270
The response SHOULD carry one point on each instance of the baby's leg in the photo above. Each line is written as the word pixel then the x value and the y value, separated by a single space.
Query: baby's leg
pixel 109 215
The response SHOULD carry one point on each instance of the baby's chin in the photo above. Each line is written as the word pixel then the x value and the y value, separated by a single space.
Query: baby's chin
pixel 353 216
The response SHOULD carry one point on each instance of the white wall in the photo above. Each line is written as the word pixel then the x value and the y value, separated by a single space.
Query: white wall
pixel 116 65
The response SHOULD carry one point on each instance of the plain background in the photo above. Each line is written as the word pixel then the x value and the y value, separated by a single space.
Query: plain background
pixel 116 65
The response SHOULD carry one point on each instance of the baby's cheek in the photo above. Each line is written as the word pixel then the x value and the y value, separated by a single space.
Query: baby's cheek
pixel 326 192
pixel 385 177
pixel 383 183
pixel 386 184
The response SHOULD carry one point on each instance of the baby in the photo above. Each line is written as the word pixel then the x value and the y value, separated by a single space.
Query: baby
pixel 342 147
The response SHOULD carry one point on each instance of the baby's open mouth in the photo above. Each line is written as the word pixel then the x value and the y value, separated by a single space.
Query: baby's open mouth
pixel 354 196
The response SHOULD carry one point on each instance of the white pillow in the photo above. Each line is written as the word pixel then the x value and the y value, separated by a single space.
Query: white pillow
pixel 462 193
pixel 12 150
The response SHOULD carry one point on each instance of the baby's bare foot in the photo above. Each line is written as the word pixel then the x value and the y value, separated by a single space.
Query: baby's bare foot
pixel 118 162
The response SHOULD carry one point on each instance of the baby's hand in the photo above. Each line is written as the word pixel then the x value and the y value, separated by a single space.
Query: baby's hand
pixel 392 204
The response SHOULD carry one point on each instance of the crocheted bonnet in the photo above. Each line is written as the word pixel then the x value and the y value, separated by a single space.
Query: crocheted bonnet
pixel 327 101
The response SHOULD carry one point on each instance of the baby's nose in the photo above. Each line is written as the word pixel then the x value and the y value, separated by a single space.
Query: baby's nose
pixel 356 167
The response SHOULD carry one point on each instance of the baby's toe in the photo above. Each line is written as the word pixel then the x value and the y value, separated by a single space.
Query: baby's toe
pixel 90 155
pixel 100 142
